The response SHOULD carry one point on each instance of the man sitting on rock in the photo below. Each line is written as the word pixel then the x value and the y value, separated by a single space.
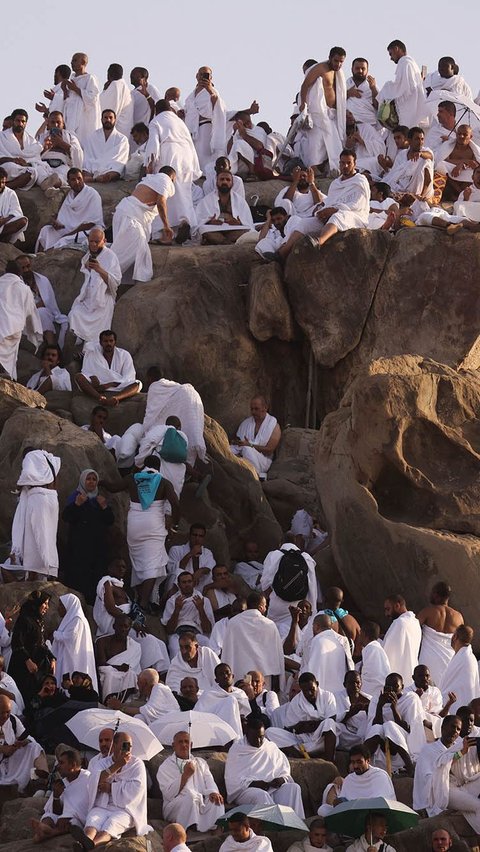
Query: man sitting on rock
pixel 19 753
pixel 258 436
pixel 274 234
pixel 187 610
pixel 108 372
pixel 190 795
pixel 303 193
pixel 220 592
pixel 192 661
pixel 192 556
pixel 45 302
pixel 412 170
pixel 118 797
pixel 396 717
pixel 309 721
pixel 225 700
pixel 81 211
pixel 51 376
pixel 106 152
pixel 159 699
pixel 223 215
pixel 68 801
pixel 12 221
pixel 258 773
pixel 61 149
pixel 118 660
pixel 20 156
pixel 364 780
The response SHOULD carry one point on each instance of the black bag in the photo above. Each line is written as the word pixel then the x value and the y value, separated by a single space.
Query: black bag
pixel 291 580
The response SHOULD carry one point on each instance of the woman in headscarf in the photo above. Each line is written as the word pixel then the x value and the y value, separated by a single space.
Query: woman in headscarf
pixel 31 658
pixel 88 515
pixel 72 643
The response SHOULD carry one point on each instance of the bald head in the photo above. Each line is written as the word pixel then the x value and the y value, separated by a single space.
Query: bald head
pixel 173 835
pixel 5 709
pixel 105 739
pixel 320 623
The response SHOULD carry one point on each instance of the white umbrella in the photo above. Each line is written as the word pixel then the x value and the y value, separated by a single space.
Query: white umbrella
pixel 468 112
pixel 205 729
pixel 87 725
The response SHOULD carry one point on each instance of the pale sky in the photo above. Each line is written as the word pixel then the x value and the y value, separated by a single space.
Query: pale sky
pixel 256 49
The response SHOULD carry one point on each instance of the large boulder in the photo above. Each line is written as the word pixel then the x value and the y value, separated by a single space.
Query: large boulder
pixel 191 321
pixel 397 469
pixel 14 395
pixel 331 291
pixel 290 483
pixel 269 313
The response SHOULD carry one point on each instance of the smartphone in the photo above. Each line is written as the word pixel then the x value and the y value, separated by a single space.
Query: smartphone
pixel 126 747
pixel 92 257
pixel 424 72
pixel 205 76
pixel 55 131
pixel 247 679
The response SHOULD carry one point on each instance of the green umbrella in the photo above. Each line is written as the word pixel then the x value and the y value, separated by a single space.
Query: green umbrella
pixel 272 817
pixel 349 817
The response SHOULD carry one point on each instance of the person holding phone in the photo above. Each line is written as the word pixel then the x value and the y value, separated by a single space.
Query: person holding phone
pixel 118 797
pixel 206 118
pixel 19 753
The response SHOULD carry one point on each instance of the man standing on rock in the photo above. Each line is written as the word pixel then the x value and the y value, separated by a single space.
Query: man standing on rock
pixel 257 437
pixel 206 118
pixel 401 642
pixel 18 315
pixel 439 622
pixel 92 310
pixel 324 92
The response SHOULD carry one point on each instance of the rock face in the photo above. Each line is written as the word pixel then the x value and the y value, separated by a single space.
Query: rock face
pixel 14 395
pixel 398 475
pixel 191 321
pixel 269 313
pixel 291 479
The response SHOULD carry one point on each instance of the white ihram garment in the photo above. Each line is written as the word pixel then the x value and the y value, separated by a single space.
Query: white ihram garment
pixel 82 112
pixel 50 312
pixel 326 138
pixel 160 702
pixel 152 443
pixel 209 206
pixel 154 651
pixel 113 681
pixel 166 398
pixel 72 644
pixel 74 799
pixel 446 168
pixel 278 609
pixel 126 804
pixel 246 431
pixel 351 732
pixel 229 706
pixel 170 144
pixel 246 763
pixel 121 369
pixel 118 97
pixel 146 534
pixel 300 710
pixel 105 154
pixel 375 667
pixel 253 642
pixel 207 125
pixel 29 151
pixel 411 711
pixel 203 671
pixel 132 227
pixel 455 83
pixel 361 108
pixel 18 315
pixel 351 198
pixel 327 660
pixel 435 652
pixel 92 310
pixel 407 91
pixel 191 805
pixel 79 209
pixel 461 677
pixel 141 107
pixel 373 782
pixel 16 768
pixel 401 644
pixel 10 206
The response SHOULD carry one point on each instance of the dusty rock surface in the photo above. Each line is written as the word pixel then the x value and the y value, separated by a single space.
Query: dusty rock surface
pixel 397 471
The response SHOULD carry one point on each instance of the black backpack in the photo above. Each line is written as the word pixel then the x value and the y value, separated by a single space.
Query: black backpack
pixel 291 580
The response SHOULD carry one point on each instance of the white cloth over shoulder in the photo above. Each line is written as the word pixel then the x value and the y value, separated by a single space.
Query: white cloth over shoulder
pixel 375 667
pixel 190 805
pixel 16 769
pixel 18 315
pixel 461 677
pixel 170 144
pixel 92 310
pixel 113 681
pixel 105 154
pixel 435 652
pixel 165 399
pixel 160 702
pixel 207 124
pixel 203 670
pixel 118 97
pixel 327 660
pixel 373 782
pixel 278 609
pixel 72 641
pixel 121 370
pixel 407 91
pixel 351 198
pixel 209 206
pixel 82 112
pixel 10 206
pixel 252 642
pixel 128 793
pixel 246 763
pixel 76 210
pixel 401 644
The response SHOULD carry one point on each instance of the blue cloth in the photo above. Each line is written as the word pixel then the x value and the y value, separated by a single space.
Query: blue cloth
pixel 147 483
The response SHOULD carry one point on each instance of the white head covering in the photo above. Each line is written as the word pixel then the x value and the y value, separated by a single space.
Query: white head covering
pixel 287 206
pixel 82 488
pixel 39 468
pixel 302 523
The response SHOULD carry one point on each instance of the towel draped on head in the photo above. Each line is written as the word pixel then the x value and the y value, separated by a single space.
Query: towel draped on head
pixel 39 468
